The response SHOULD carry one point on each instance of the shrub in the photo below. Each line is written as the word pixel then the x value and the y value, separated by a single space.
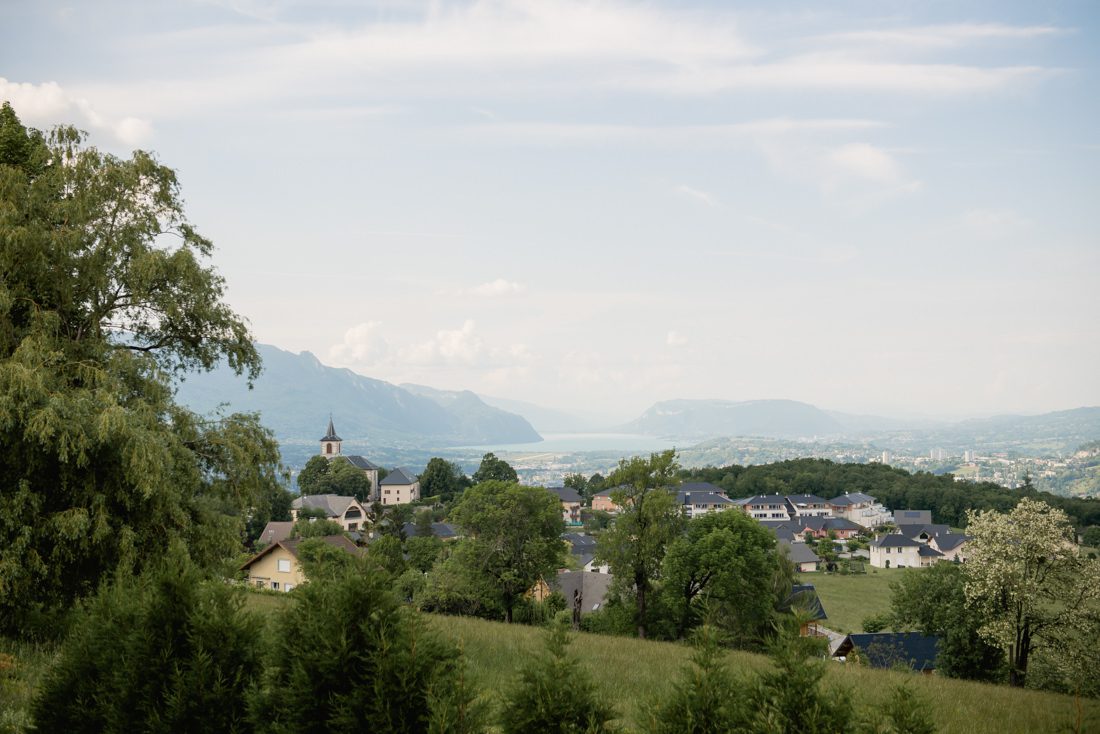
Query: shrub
pixel 790 698
pixel 349 657
pixel 167 652
pixel 876 622
pixel 703 700
pixel 555 694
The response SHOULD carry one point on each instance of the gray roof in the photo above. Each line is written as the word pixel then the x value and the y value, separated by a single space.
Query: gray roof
pixel 914 530
pixel 851 498
pixel 911 517
pixel 806 499
pixel 805 596
pixel 895 541
pixel 335 505
pixel 593 587
pixel 950 541
pixel 887 649
pixel 700 487
pixel 360 462
pixel 688 497
pixel 762 499
pixel 330 434
pixel 578 541
pixel 840 523
pixel 275 531
pixel 439 530
pixel 399 476
pixel 928 552
pixel 799 552
pixel 565 494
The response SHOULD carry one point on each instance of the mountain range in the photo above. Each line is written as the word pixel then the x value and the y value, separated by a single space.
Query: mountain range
pixel 296 393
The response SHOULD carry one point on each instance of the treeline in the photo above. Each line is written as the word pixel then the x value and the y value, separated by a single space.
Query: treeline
pixel 897 489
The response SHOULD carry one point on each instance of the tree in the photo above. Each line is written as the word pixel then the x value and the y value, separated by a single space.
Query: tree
pixel 443 479
pixel 933 601
pixel 555 693
pixel 578 482
pixel 650 519
pixel 494 469
pixel 513 537
pixel 388 554
pixel 312 476
pixel 169 651
pixel 316 528
pixel 790 698
pixel 105 298
pixel 378 666
pixel 423 551
pixel 1026 582
pixel 724 565
pixel 334 476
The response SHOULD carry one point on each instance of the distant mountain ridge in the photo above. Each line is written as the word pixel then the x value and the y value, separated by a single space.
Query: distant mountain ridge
pixel 708 418
pixel 296 392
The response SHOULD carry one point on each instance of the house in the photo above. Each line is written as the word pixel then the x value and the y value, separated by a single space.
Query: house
pixel 890 649
pixel 275 531
pixel 783 507
pixel 345 510
pixel 593 588
pixel 697 503
pixel 806 505
pixel 331 449
pixel 819 527
pixel 803 597
pixel 441 530
pixel 583 549
pixel 951 545
pixel 701 487
pixel 896 551
pixel 804 559
pixel 399 487
pixel 602 501
pixel 922 532
pixel 276 567
pixel 570 504
pixel 860 508
pixel 912 517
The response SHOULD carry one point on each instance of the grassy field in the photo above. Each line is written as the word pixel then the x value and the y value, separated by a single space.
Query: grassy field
pixel 630 671
pixel 848 599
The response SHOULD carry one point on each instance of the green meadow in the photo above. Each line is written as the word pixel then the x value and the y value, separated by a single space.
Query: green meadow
pixel 849 598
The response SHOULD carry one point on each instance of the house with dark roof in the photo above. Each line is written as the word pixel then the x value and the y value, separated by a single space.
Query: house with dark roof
pixel 897 551
pixel 275 531
pixel 602 501
pixel 583 549
pixel 804 559
pixel 331 449
pixel 276 567
pixel 399 487
pixel 951 545
pixel 591 587
pixel 860 508
pixel 891 649
pixel 912 517
pixel 347 511
pixel 804 599
pixel 571 503
pixel 442 530
pixel 698 502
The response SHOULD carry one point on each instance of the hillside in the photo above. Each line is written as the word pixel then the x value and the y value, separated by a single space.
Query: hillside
pixel 296 393
pixel 709 418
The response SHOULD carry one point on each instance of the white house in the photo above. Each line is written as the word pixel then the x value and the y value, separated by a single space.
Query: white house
pixel 399 487
pixel 862 509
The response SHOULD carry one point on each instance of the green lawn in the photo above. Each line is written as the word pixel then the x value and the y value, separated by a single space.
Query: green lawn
pixel 848 599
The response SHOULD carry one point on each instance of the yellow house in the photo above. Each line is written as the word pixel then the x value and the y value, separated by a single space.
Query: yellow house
pixel 276 567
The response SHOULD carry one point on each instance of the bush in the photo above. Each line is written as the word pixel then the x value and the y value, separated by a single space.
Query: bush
pixel 349 657
pixel 790 699
pixel 555 694
pixel 876 622
pixel 704 698
pixel 167 652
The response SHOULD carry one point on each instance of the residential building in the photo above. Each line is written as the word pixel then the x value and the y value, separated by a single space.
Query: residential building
pixel 399 487
pixel 602 501
pixel 912 517
pixel 591 587
pixel 571 503
pixel 896 551
pixel 820 527
pixel 583 549
pixel 804 559
pixel 344 510
pixel 697 503
pixel 331 449
pixel 275 531
pixel 890 649
pixel 804 598
pixel 276 567
pixel 860 508
pixel 442 530
pixel 765 507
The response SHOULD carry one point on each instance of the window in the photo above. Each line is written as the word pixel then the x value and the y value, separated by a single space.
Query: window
pixel 289 587
pixel 284 566
pixel 328 448
pixel 353 526
pixel 275 585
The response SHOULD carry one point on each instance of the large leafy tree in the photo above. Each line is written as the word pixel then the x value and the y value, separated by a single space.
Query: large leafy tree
pixel 105 298
pixel 443 479
pixel 334 476
pixel 1027 582
pixel 723 567
pixel 650 519
pixel 513 537
pixel 493 468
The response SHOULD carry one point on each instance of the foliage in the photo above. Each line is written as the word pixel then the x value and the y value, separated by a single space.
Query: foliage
pixel 494 469
pixel 166 652
pixel 423 551
pixel 879 622
pixel 513 537
pixel 349 657
pixel 904 713
pixel 388 554
pixel 334 476
pixel 1026 581
pixel 443 479
pixel 933 601
pixel 555 693
pixel 312 528
pixel 321 560
pixel 650 519
pixel 722 565
pixel 704 698
pixel 791 699
pixel 105 297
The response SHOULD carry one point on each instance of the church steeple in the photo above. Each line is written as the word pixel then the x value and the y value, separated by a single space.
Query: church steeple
pixel 330 442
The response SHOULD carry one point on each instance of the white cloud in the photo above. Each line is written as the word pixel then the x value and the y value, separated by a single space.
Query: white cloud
pixel 944 36
pixel 697 194
pixel 48 104
pixel 864 161
pixel 498 287
pixel 363 345
pixel 851 169
pixel 993 224
pixel 676 339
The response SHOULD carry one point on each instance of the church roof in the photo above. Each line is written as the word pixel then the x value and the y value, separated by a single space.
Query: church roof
pixel 330 435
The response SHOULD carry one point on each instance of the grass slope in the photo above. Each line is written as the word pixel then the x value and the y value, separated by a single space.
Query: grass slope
pixel 630 672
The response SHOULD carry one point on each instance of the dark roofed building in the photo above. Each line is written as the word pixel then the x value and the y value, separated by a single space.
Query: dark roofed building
pixel 696 502
pixel 399 487
pixel 889 649
pixel 570 504
pixel 593 588
pixel 912 517
pixel 804 598
pixel 804 559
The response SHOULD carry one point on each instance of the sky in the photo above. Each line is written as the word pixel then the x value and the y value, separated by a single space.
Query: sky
pixel 879 207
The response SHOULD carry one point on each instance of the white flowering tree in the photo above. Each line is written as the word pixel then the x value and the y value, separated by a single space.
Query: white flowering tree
pixel 1027 581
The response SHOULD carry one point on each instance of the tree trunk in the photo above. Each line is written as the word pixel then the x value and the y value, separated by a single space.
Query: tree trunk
pixel 639 583
pixel 508 613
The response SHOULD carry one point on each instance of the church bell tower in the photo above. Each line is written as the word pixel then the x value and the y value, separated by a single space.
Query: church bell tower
pixel 330 443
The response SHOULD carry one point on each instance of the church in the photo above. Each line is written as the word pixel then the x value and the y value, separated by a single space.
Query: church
pixel 398 487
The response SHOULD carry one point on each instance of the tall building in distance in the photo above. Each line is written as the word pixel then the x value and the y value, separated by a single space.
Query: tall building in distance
pixel 886 457
pixel 937 454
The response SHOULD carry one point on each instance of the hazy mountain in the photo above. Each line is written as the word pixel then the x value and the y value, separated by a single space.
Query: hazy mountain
pixel 704 418
pixel 547 420
pixel 296 393
pixel 1061 430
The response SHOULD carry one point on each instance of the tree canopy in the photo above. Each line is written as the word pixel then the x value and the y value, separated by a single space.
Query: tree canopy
pixel 494 469
pixel 106 296
pixel 443 479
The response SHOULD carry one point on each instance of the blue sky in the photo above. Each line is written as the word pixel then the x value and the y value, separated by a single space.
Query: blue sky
pixel 881 207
